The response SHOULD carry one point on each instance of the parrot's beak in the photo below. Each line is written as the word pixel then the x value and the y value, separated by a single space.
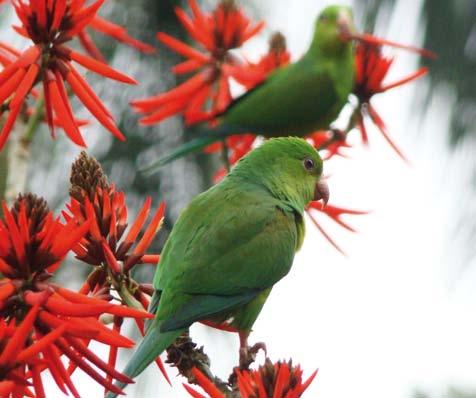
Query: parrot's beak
pixel 345 24
pixel 322 192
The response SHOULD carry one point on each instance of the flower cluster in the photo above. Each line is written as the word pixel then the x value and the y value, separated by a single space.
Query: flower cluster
pixel 278 380
pixel 106 246
pixel 49 25
pixel 46 319
pixel 371 68
pixel 218 32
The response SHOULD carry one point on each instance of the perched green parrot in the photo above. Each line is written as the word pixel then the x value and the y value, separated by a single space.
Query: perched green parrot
pixel 297 99
pixel 231 245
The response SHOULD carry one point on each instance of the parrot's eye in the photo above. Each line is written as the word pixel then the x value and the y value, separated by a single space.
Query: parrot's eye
pixel 308 164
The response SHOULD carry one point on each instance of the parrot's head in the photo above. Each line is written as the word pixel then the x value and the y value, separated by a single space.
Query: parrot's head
pixel 333 30
pixel 288 167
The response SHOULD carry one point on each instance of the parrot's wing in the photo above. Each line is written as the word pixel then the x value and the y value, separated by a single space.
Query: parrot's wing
pixel 296 100
pixel 203 306
pixel 232 242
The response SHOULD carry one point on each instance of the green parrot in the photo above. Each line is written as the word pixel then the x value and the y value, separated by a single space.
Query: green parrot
pixel 231 245
pixel 297 99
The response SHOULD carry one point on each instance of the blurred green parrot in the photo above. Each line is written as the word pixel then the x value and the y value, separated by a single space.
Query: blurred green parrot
pixel 231 245
pixel 297 99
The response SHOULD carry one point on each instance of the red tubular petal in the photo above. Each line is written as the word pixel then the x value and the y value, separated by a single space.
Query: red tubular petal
pixel 48 108
pixel 182 48
pixel 61 110
pixel 119 33
pixel 100 68
pixel 188 66
pixel 363 129
pixel 308 382
pixel 90 46
pixel 151 231
pixel 420 72
pixel 60 8
pixel 368 38
pixel 37 383
pixel 62 246
pixel 62 375
pixel 83 350
pixel 78 298
pixel 91 215
pixel 62 307
pixel 78 360
pixel 111 259
pixel 192 392
pixel 6 387
pixel 253 31
pixel 246 390
pixel 383 129
pixel 9 87
pixel 5 269
pixel 25 86
pixel 207 385
pixel 150 259
pixel 198 34
pixel 91 104
pixel 40 344
pixel 180 93
pixel 111 361
pixel 6 291
pixel 164 112
pixel 325 234
pixel 127 312
pixel 15 237
pixel 281 380
pixel 28 57
pixel 18 339
pixel 82 18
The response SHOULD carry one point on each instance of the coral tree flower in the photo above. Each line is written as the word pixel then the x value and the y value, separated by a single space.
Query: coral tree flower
pixel 106 245
pixel 371 68
pixel 49 25
pixel 225 28
pixel 46 319
pixel 279 380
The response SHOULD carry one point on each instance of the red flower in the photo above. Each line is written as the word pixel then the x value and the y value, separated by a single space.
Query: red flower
pixel 251 74
pixel 106 245
pixel 32 246
pixel 279 380
pixel 335 213
pixel 113 30
pixel 371 68
pixel 49 24
pixel 225 28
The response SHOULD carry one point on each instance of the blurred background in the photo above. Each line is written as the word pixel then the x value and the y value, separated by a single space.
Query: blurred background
pixel 396 316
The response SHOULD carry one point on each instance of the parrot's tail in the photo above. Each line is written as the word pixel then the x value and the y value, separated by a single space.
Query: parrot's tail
pixel 153 344
pixel 205 136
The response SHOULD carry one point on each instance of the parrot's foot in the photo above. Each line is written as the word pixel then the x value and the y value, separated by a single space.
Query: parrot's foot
pixel 248 354
pixel 337 134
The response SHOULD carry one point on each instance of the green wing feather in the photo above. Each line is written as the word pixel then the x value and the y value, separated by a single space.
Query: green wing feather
pixel 297 100
pixel 230 239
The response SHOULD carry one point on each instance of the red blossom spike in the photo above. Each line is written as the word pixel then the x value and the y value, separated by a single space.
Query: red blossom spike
pixel 225 28
pixel 46 321
pixel 371 68
pixel 49 25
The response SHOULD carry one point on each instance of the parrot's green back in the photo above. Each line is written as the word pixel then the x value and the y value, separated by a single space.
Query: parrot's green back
pixel 231 245
pixel 304 96
pixel 301 98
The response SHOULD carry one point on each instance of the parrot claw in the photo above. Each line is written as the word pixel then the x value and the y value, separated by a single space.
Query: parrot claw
pixel 248 354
